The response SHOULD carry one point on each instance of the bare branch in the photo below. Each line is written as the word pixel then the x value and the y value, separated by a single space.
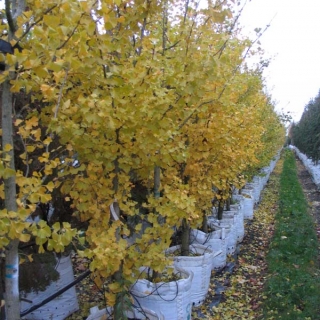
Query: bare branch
pixel 186 11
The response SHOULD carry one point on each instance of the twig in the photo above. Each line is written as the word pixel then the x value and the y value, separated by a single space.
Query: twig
pixel 60 94
pixel 71 34
pixel 11 24
pixel 35 23
pixel 191 114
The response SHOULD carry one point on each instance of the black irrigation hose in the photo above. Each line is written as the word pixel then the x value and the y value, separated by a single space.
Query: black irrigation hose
pixel 135 296
pixel 45 301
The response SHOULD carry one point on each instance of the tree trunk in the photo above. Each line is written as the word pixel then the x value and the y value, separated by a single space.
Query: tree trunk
pixel 12 301
pixel 228 204
pixel 204 222
pixel 185 238
pixel 220 209
pixel 120 306
pixel 156 179
pixel 12 305
pixel 156 190
pixel 156 194
pixel 2 305
pixel 118 275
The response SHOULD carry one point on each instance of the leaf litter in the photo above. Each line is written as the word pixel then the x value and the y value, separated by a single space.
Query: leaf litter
pixel 237 290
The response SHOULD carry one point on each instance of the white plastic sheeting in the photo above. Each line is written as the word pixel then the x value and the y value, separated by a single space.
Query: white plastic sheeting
pixel 313 169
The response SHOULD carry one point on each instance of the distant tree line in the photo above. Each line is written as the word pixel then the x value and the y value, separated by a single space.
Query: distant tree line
pixel 305 134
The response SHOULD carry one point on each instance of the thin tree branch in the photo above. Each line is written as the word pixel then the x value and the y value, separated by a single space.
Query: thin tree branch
pixel 192 113
pixel 11 23
pixel 35 23
pixel 220 51
pixel 186 12
pixel 164 26
pixel 172 46
pixel 71 34
pixel 60 94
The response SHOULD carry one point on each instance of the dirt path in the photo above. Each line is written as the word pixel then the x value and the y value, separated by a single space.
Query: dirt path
pixel 312 195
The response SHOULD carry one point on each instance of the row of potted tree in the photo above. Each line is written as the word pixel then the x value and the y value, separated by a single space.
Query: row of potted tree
pixel 153 99
pixel 208 252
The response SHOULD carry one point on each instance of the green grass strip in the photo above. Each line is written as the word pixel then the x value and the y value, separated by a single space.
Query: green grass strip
pixel 293 285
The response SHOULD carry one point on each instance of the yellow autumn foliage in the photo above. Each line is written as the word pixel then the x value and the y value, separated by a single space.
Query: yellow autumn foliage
pixel 127 87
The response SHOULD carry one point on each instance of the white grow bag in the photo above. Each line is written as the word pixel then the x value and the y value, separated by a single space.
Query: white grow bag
pixel 239 199
pixel 259 181
pixel 60 307
pixel 200 265
pixel 230 229
pixel 255 187
pixel 313 169
pixel 238 221
pixel 141 314
pixel 172 299
pixel 216 240
pixel 248 204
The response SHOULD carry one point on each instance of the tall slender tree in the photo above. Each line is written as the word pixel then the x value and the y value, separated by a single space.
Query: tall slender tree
pixel 13 10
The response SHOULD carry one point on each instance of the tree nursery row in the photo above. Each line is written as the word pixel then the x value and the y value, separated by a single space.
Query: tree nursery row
pixel 124 123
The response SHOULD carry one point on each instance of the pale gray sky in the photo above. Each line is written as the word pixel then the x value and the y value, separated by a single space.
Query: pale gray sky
pixel 293 39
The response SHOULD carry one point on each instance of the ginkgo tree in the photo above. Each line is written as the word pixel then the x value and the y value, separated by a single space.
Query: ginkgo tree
pixel 127 88
pixel 86 97
pixel 224 131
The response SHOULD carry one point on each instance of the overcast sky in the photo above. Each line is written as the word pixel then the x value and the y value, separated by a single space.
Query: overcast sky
pixel 293 39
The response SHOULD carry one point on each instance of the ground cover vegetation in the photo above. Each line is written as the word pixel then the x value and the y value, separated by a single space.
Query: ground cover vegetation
pixel 293 285
pixel 101 98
